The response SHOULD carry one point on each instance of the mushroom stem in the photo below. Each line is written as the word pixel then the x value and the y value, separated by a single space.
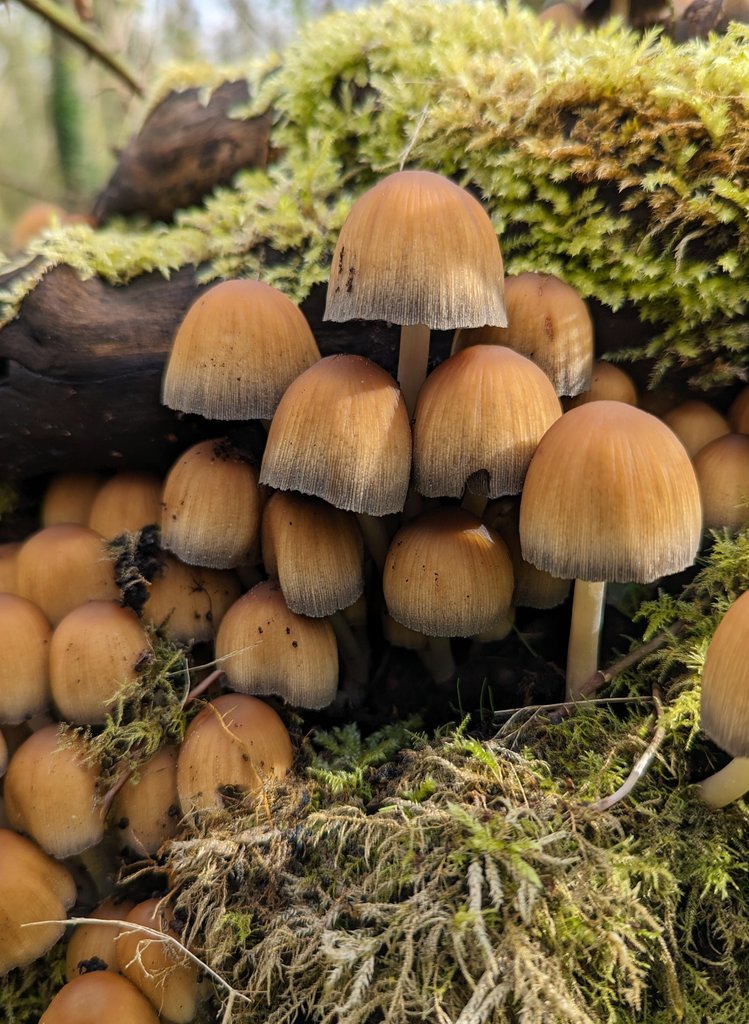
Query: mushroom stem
pixel 437 658
pixel 375 535
pixel 352 655
pixel 475 503
pixel 585 632
pixel 413 357
pixel 727 785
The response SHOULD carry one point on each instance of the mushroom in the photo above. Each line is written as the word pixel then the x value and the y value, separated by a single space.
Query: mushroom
pixel 91 946
pixel 608 383
pixel 722 468
pixel 549 323
pixel 146 808
pixel 419 251
pixel 235 742
pixel 211 508
pixel 24 669
pixel 95 651
pixel 610 495
pixel 341 433
pixel 188 602
pixel 69 497
pixel 237 350
pixel 126 503
pixel 63 566
pixel 479 418
pixel 96 997
pixel 33 888
pixel 264 648
pixel 167 978
pixel 696 423
pixel 724 704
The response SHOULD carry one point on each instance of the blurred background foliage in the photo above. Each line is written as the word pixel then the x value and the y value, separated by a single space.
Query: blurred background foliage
pixel 63 115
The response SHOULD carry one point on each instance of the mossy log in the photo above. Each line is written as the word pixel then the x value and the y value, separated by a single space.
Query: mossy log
pixel 185 148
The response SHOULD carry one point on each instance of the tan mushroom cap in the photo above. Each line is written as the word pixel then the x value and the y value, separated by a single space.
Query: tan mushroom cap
pixel 69 497
pixel 146 810
pixel 96 650
pixel 50 793
pixel 8 558
pixel 126 503
pixel 315 551
pixel 724 697
pixel 235 742
pixel 188 602
pixel 97 997
pixel 237 350
pixel 696 424
pixel 25 637
pixel 417 249
pixel 89 942
pixel 447 574
pixel 266 649
pixel 479 418
pixel 608 383
pixel 722 469
pixel 549 323
pixel 211 506
pixel 167 978
pixel 63 566
pixel 33 887
pixel 341 433
pixel 610 495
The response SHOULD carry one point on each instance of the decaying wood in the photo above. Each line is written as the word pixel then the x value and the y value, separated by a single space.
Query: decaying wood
pixel 183 151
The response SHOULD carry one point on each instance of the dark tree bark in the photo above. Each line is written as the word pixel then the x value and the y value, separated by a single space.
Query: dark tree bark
pixel 182 152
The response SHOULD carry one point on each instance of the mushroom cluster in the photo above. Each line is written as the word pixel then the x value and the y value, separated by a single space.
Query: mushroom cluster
pixel 414 511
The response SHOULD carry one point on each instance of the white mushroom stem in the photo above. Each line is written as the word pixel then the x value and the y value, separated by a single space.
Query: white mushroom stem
pixel 585 635
pixel 727 785
pixel 437 658
pixel 413 357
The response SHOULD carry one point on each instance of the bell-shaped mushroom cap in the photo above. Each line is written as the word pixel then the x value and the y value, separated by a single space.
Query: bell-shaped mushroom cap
pixel 237 350
pixel 146 809
pixel 550 324
pixel 235 742
pixel 315 551
pixel 696 424
pixel 127 502
pixel 446 574
pixel 33 887
pixel 163 974
pixel 50 793
pixel 341 432
pixel 96 650
pixel 479 418
pixel 188 602
pixel 417 249
pixel 96 997
pixel 722 469
pixel 69 497
pixel 609 383
pixel 211 513
pixel 63 566
pixel 93 945
pixel 24 669
pixel 724 698
pixel 266 649
pixel 610 495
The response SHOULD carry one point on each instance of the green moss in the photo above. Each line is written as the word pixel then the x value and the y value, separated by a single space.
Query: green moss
pixel 611 159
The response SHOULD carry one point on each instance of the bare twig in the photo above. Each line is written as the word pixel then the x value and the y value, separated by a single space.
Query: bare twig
pixel 641 765
pixel 152 933
pixel 69 25
pixel 603 676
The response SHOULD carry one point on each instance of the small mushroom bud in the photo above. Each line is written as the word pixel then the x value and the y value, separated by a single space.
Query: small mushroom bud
pixel 96 997
pixel 92 946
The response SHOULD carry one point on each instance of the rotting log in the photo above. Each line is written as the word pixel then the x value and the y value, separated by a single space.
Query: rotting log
pixel 183 151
